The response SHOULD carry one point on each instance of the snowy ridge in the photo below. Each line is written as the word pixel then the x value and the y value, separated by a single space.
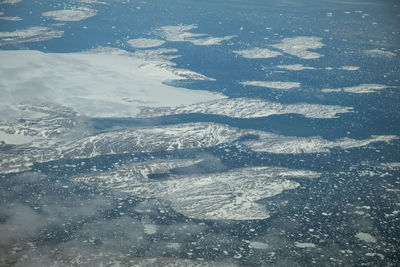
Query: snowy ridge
pixel 230 195
pixel 249 108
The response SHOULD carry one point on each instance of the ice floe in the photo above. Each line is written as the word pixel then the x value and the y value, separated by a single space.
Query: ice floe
pixel 391 165
pixel 359 89
pixel 145 43
pixel 92 2
pixel 160 54
pixel 10 2
pixel 16 139
pixel 109 83
pixel 258 245
pixel 230 195
pixel 31 34
pixel 152 139
pixel 304 245
pixel 366 237
pixel 350 68
pixel 275 85
pixel 16 18
pixel 147 139
pixel 379 53
pixel 181 33
pixel 249 108
pixel 299 46
pixel 75 14
pixel 257 53
pixel 274 143
pixel 295 67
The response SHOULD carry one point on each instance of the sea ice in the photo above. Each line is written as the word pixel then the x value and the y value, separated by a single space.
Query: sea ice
pixel 31 34
pixel 278 144
pixel 248 108
pixel 359 89
pixel 299 46
pixel 75 14
pixel 100 83
pixel 230 195
pixel 145 43
pixel 275 85
pixel 257 53
pixel 181 33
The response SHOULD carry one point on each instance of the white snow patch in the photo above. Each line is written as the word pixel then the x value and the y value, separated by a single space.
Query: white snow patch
pixel 31 34
pixel 299 46
pixel 366 237
pixel 249 108
pixel 275 85
pixel 75 14
pixel 304 245
pixel 359 89
pixel 145 43
pixel 109 83
pixel 257 53
pixel 181 33
pixel 379 53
